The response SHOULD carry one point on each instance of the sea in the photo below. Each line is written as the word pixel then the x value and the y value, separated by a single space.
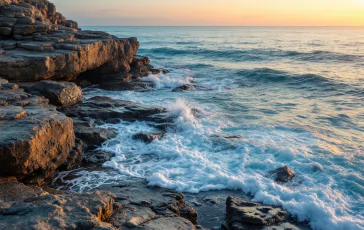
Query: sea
pixel 293 95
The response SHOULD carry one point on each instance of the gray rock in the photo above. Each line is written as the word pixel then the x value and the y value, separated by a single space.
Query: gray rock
pixel 26 20
pixel 168 223
pixel 110 111
pixel 184 88
pixel 283 174
pixel 24 29
pixel 148 137
pixel 36 46
pixel 7 22
pixel 63 94
pixel 96 157
pixel 242 214
pixel 6 31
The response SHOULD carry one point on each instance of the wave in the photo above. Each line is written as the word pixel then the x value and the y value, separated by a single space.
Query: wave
pixel 277 76
pixel 258 54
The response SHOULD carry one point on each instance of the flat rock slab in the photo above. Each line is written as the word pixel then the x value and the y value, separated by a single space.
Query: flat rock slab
pixel 23 207
pixel 110 110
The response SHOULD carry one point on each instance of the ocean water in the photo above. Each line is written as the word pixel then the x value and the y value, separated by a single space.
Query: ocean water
pixel 294 95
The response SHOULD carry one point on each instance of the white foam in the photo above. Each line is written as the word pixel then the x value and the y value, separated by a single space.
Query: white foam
pixel 170 80
pixel 189 161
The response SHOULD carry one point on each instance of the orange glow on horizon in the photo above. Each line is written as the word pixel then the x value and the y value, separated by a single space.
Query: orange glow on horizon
pixel 216 12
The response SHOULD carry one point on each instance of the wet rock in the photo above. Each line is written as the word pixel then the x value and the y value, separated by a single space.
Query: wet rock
pixel 142 204
pixel 283 174
pixel 6 31
pixel 96 157
pixel 108 110
pixel 243 214
pixel 25 207
pixel 75 158
pixel 184 88
pixel 167 223
pixel 63 94
pixel 91 135
pixel 148 137
pixel 140 61
pixel 35 139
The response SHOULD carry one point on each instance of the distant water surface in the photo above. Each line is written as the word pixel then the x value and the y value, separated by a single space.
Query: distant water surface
pixel 294 95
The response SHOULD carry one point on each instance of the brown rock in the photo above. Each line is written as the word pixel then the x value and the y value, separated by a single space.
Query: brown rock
pixel 35 139
pixel 34 208
pixel 283 174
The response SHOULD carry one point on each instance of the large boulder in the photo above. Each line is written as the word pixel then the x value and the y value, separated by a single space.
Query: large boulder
pixel 63 94
pixel 35 139
pixel 283 174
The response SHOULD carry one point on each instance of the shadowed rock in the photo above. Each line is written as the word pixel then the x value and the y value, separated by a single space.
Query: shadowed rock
pixel 283 174
pixel 63 94
pixel 148 137
pixel 110 111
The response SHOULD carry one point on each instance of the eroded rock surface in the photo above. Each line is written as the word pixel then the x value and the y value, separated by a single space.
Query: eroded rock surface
pixel 41 44
pixel 242 214
pixel 23 207
pixel 283 174
pixel 147 207
pixel 63 94
pixel 35 139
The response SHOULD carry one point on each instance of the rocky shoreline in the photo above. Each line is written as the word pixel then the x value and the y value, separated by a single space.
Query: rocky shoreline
pixel 46 62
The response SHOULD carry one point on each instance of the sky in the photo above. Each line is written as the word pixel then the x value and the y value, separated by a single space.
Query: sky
pixel 213 12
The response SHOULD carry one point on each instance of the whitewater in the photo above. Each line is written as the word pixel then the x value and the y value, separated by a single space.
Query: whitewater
pixel 292 96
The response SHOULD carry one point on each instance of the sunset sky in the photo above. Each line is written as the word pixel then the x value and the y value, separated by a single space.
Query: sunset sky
pixel 214 12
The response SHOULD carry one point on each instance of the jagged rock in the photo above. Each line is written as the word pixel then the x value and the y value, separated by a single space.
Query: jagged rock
pixel 75 158
pixel 63 94
pixel 96 157
pixel 35 139
pixel 92 136
pixel 142 205
pixel 184 88
pixel 108 110
pixel 242 214
pixel 283 174
pixel 34 208
pixel 140 61
pixel 36 22
pixel 148 137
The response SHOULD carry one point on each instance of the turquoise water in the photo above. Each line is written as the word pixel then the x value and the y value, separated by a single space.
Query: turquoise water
pixel 295 95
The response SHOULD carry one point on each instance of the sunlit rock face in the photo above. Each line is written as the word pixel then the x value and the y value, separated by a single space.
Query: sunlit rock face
pixel 35 139
pixel 38 43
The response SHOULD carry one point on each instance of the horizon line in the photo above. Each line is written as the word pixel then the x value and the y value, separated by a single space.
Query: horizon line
pixel 205 26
